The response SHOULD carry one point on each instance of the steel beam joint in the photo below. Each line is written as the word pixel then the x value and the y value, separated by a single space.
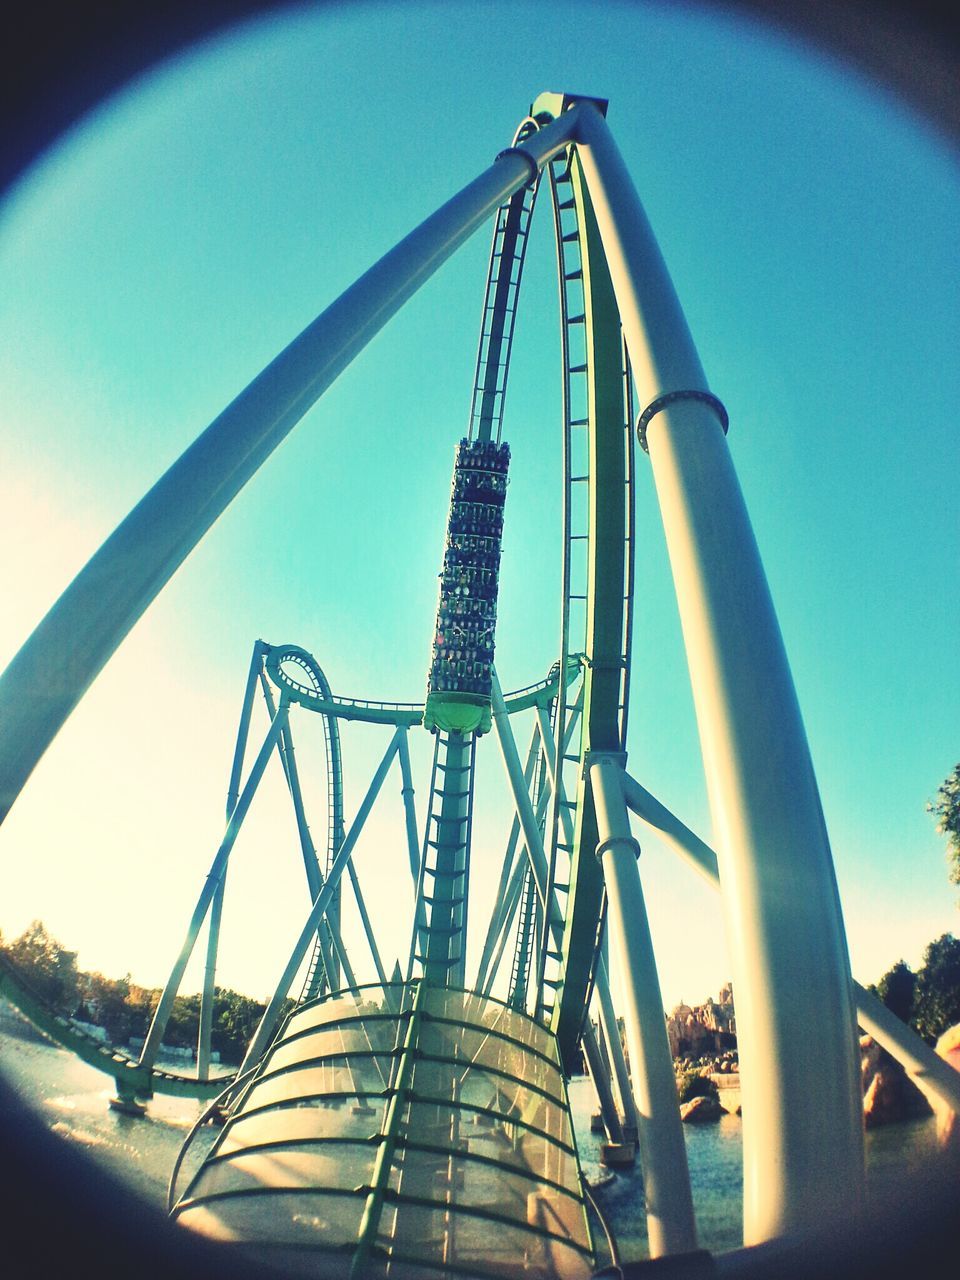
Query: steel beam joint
pixel 519 151
pixel 627 843
pixel 671 397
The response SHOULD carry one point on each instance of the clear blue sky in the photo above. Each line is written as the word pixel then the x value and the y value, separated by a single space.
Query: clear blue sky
pixel 177 239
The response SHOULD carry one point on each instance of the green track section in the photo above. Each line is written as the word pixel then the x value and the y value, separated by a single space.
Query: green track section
pixel 399 713
pixel 604 658
pixel 132 1080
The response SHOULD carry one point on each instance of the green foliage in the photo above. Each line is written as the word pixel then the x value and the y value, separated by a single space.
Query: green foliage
pixel 49 968
pixel 124 1009
pixel 947 810
pixel 928 1000
pixel 693 1085
pixel 106 1002
pixel 235 1019
pixel 937 996
pixel 896 989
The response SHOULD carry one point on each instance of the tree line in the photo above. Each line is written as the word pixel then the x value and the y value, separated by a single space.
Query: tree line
pixel 929 999
pixel 119 1005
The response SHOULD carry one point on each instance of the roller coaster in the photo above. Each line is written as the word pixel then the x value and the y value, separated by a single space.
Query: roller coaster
pixel 418 1124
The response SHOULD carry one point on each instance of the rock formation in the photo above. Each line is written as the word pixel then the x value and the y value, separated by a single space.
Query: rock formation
pixel 948 1122
pixel 888 1093
pixel 702 1110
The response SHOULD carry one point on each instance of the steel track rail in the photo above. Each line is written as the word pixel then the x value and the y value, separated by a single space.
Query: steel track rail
pixel 597 582
pixel 317 977
pixel 597 550
pixel 539 694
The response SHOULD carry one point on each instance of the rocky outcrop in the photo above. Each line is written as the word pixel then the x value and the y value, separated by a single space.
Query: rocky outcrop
pixel 702 1110
pixel 888 1093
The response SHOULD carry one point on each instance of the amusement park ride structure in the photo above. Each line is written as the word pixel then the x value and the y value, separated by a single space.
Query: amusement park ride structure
pixel 420 1124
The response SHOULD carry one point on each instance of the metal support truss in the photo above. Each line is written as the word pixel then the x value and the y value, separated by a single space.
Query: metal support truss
pixel 272 1014
pixel 161 1017
pixel 330 954
pixel 216 908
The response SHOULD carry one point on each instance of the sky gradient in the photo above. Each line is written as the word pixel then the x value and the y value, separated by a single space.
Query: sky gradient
pixel 182 235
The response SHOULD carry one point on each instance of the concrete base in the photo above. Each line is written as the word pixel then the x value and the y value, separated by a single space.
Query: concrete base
pixel 618 1155
pixel 127 1106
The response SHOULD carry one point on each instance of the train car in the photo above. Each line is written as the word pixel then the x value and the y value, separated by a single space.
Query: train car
pixel 458 684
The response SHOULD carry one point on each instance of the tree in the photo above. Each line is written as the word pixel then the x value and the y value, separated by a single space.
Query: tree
pixel 947 809
pixel 47 966
pixel 106 1002
pixel 896 989
pixel 235 1019
pixel 937 996
pixel 692 1085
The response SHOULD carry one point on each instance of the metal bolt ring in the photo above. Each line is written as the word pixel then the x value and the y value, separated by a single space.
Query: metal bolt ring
pixel 618 841
pixel 670 397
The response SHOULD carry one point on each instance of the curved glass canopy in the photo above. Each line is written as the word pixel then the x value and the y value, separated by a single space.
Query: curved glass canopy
pixel 402 1130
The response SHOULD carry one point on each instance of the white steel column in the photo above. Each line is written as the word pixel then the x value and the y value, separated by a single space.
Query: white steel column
pixel 601 1083
pixel 521 797
pixel 500 899
pixel 671 830
pixel 785 928
pixel 663 1155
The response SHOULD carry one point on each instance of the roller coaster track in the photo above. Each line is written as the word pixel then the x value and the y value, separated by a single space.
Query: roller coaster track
pixel 597 559
pixel 538 694
pixel 597 581
pixel 443 888
pixel 500 298
pixel 791 1170
pixel 323 972
pixel 131 1078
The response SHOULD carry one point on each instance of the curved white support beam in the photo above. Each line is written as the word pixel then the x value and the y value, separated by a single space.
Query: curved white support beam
pixel 785 927
pixel 72 644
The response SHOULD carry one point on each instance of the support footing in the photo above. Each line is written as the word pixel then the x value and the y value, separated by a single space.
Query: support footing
pixel 618 1155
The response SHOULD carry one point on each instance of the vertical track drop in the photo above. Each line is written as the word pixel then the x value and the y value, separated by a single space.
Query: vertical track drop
pixel 439 948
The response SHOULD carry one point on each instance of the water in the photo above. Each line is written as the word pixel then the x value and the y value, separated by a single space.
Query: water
pixel 714 1154
pixel 72 1099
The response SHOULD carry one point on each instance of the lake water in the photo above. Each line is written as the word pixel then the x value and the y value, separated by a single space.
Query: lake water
pixel 72 1100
